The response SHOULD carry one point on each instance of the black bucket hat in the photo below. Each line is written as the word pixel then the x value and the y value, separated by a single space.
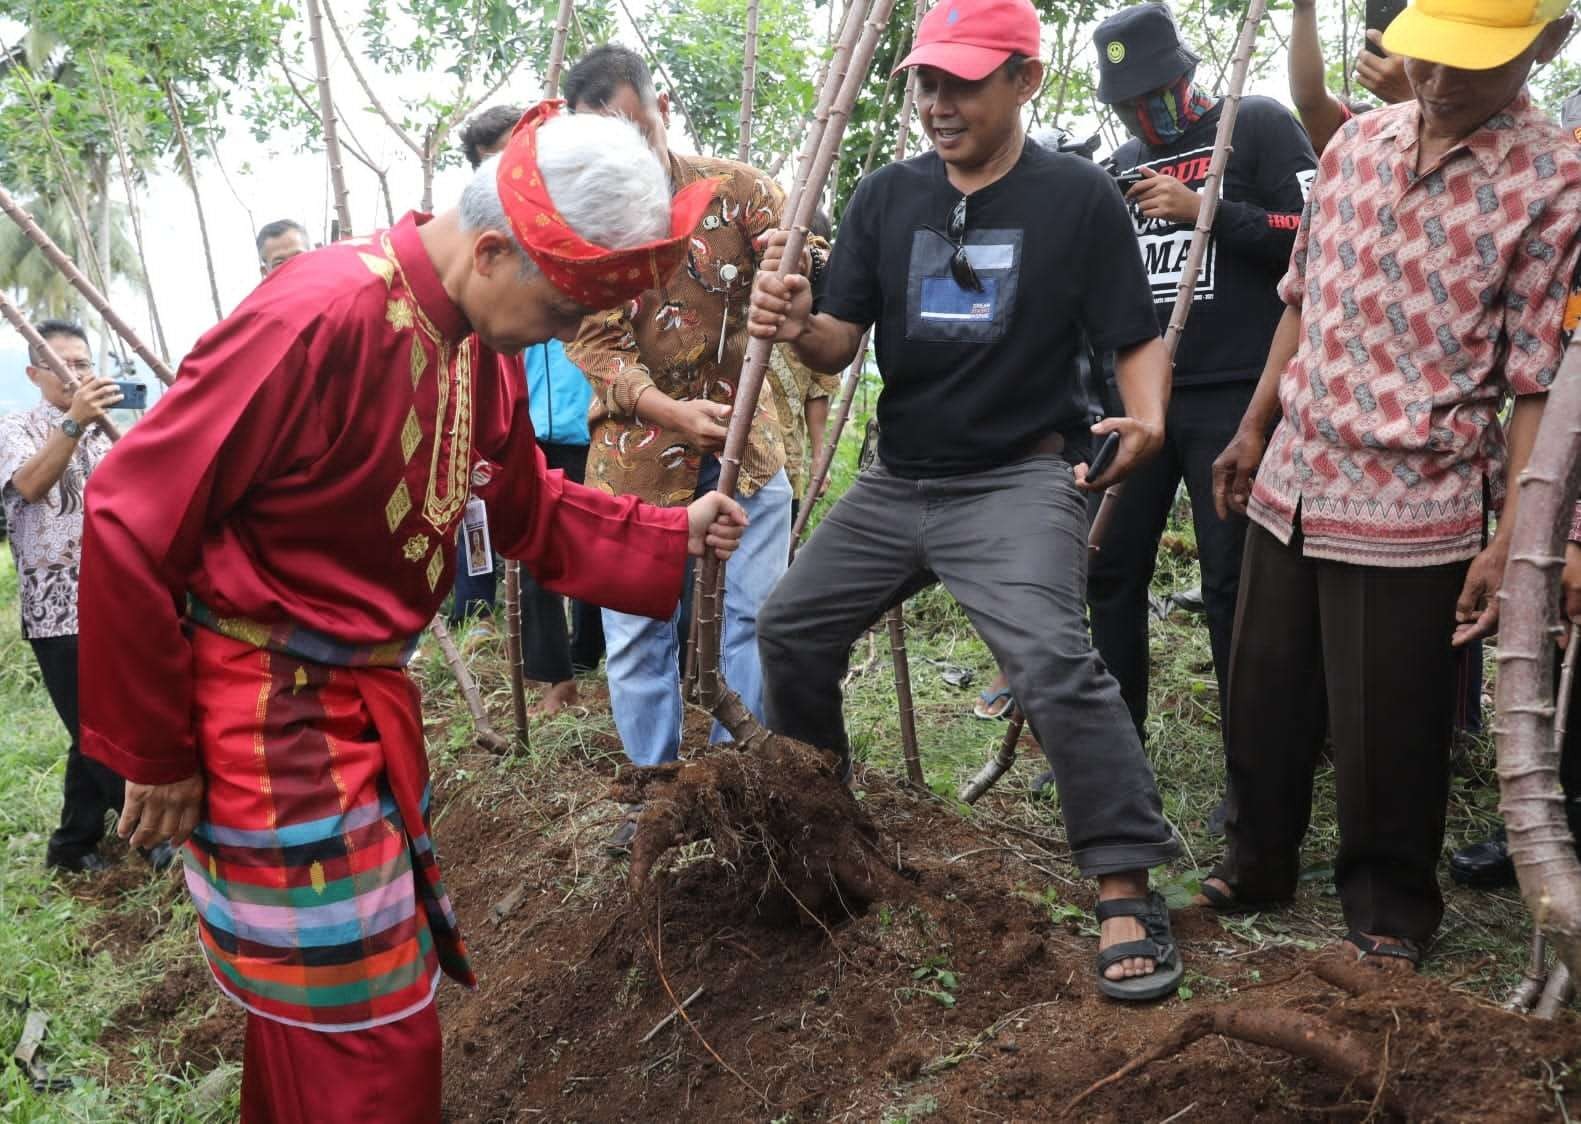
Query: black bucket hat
pixel 1139 51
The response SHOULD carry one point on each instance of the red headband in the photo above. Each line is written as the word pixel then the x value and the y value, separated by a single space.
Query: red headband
pixel 592 275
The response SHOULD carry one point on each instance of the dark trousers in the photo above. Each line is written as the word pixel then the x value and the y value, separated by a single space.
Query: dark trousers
pixel 92 790
pixel 1360 655
pixel 550 652
pixel 1200 423
pixel 474 593
pixel 1010 545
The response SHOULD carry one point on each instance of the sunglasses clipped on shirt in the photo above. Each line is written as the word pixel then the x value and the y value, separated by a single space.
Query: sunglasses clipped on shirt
pixel 960 264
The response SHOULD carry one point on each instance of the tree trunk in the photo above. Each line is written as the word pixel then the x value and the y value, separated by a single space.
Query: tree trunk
pixel 1532 798
pixel 197 197
pixel 513 642
pixel 326 109
pixel 104 253
pixel 482 728
pixel 896 621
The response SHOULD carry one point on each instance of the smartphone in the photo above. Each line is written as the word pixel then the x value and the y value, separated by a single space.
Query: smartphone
pixel 1104 457
pixel 1380 14
pixel 1128 180
pixel 134 396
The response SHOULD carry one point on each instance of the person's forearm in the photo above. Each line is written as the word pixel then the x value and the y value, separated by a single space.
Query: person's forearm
pixel 828 344
pixel 1308 77
pixel 654 407
pixel 1524 420
pixel 45 468
pixel 1264 406
pixel 1142 375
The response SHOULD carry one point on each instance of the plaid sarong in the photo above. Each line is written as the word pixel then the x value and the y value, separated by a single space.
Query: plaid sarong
pixel 318 893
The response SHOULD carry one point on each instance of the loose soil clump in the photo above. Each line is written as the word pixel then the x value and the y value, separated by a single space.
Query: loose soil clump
pixel 938 965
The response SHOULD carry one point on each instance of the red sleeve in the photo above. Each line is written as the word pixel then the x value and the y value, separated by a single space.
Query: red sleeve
pixel 175 474
pixel 613 551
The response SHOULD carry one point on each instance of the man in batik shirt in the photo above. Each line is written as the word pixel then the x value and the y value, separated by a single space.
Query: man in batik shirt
pixel 264 550
pixel 664 368
pixel 46 456
pixel 1427 287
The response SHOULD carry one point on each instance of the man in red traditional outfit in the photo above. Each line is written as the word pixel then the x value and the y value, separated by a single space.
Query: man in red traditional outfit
pixel 263 551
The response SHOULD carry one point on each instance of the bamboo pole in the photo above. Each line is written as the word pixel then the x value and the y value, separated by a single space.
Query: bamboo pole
pixel 562 28
pixel 486 736
pixel 853 376
pixel 908 711
pixel 749 83
pixel 513 641
pixel 60 261
pixel 52 359
pixel 1000 764
pixel 1206 213
pixel 185 146
pixel 326 111
pixel 852 58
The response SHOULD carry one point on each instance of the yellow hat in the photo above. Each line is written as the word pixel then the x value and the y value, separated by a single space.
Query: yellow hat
pixel 1470 34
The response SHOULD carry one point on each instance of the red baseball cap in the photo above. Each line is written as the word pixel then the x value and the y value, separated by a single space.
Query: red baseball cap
pixel 970 38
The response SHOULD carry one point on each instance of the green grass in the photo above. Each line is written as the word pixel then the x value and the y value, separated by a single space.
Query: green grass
pixel 44 930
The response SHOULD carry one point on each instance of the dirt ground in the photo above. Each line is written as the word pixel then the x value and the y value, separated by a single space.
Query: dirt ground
pixel 966 993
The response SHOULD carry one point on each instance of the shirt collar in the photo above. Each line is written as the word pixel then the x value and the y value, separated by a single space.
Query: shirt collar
pixel 423 279
pixel 1490 144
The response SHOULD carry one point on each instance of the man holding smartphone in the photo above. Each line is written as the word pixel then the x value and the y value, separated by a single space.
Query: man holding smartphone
pixel 1147 74
pixel 978 304
pixel 46 456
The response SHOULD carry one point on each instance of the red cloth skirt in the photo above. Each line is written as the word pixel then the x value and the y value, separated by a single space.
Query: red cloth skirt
pixel 388 1073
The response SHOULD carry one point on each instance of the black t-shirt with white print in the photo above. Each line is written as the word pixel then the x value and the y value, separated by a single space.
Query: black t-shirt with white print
pixel 972 380
pixel 1236 307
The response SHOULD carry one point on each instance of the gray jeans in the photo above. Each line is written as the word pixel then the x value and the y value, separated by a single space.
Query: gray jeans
pixel 1010 545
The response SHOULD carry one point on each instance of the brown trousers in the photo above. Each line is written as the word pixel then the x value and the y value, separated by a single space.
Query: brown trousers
pixel 1361 656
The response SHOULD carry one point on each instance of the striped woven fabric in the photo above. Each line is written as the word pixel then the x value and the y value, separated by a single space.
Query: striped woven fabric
pixel 319 902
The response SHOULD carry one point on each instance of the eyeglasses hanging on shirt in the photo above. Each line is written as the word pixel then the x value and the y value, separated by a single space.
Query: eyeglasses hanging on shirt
pixel 960 264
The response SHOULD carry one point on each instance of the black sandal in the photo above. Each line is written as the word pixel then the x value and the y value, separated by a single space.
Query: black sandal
pixel 1402 949
pixel 1218 900
pixel 1158 946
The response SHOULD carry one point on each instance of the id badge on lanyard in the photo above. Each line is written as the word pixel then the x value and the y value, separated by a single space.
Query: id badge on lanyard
pixel 475 538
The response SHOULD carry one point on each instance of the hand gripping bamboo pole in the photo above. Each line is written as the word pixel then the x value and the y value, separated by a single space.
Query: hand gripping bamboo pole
pixel 1207 212
pixel 326 110
pixel 60 261
pixel 483 730
pixel 562 29
pixel 853 56
pixel 52 359
pixel 749 83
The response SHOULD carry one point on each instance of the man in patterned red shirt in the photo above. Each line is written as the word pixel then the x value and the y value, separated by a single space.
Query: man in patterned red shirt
pixel 1428 285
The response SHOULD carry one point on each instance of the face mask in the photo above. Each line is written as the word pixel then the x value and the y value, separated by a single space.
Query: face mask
pixel 1161 117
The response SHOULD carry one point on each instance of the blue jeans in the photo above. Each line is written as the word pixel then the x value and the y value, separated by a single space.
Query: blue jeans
pixel 642 654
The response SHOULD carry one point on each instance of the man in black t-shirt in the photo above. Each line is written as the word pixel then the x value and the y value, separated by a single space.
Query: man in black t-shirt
pixel 979 265
pixel 1146 73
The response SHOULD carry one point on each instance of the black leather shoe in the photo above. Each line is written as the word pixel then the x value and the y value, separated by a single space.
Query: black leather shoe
pixel 90 862
pixel 1485 865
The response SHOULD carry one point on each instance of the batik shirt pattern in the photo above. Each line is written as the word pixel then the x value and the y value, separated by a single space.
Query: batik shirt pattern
pixel 1426 301
pixel 46 537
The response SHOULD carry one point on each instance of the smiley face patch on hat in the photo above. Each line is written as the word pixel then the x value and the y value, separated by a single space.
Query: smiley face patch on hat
pixel 1116 52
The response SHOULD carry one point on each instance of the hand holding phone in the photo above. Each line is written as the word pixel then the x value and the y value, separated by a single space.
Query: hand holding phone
pixel 1103 459
pixel 1380 14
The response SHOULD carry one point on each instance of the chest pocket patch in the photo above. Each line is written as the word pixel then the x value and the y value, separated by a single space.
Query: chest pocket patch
pixel 939 309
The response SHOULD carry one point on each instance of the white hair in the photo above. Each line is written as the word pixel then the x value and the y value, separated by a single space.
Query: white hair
pixel 606 182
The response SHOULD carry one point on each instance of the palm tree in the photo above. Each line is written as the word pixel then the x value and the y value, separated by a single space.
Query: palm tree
pixel 41 289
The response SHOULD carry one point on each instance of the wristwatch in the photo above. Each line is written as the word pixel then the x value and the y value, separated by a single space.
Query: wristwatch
pixel 71 429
